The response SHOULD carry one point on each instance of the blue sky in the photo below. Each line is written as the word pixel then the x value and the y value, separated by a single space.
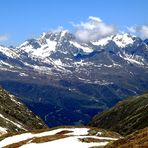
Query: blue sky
pixel 23 19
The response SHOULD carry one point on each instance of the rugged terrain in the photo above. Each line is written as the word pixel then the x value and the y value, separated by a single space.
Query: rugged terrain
pixel 66 81
pixel 15 116
pixel 125 117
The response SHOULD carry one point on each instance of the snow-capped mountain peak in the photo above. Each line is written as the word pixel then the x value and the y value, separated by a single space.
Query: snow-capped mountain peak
pixel 121 40
pixel 51 42
pixel 63 33
pixel 57 34
pixel 55 44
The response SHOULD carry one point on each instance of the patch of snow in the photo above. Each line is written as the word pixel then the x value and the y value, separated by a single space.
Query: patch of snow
pixel 84 48
pixel 82 63
pixel 81 79
pixel 58 62
pixel 16 102
pixel 107 65
pixel 63 33
pixel 99 133
pixel 8 52
pixel 16 124
pixel 51 45
pixel 132 59
pixel 6 64
pixel 23 74
pixel 102 42
pixel 78 131
pixel 15 139
pixel 103 82
pixel 3 130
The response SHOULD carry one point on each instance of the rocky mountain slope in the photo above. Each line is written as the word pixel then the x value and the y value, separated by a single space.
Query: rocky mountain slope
pixel 81 137
pixel 125 117
pixel 15 116
pixel 138 139
pixel 57 76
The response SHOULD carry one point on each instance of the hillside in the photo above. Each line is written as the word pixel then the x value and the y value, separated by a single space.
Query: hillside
pixel 65 137
pixel 125 117
pixel 15 116
pixel 138 139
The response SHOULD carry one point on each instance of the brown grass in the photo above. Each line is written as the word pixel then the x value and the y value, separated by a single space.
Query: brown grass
pixel 37 140
pixel 89 140
pixel 138 139
pixel 48 138
pixel 17 145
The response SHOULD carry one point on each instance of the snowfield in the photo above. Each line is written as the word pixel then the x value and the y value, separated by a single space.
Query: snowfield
pixel 72 138
pixel 70 142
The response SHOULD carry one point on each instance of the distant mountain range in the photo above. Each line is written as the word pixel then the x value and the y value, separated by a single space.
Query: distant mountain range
pixel 66 81
pixel 15 116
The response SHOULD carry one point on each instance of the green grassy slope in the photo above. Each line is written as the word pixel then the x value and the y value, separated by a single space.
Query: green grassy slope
pixel 125 117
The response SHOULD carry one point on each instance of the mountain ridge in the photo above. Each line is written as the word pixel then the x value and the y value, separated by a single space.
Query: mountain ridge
pixel 83 73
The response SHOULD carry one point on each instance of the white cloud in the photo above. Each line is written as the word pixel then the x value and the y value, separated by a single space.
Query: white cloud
pixel 58 29
pixel 4 37
pixel 95 18
pixel 141 31
pixel 93 29
pixel 132 29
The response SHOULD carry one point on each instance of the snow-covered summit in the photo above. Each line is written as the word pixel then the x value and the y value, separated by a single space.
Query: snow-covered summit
pixel 61 45
pixel 121 40
pixel 54 34
pixel 43 46
pixel 52 41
